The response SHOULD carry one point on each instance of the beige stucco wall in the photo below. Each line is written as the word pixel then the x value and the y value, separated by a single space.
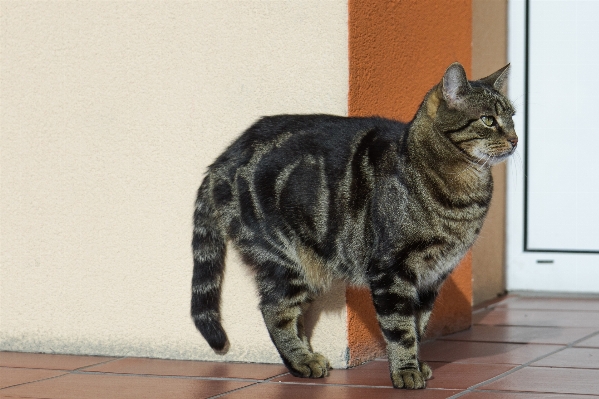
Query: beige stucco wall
pixel 110 113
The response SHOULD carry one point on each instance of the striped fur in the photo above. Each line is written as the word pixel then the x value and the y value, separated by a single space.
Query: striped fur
pixel 375 202
pixel 209 262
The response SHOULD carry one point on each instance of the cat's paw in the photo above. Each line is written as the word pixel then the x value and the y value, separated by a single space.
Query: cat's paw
pixel 427 372
pixel 409 378
pixel 312 365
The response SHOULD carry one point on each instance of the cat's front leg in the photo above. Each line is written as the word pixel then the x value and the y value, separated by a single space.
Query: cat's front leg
pixel 395 300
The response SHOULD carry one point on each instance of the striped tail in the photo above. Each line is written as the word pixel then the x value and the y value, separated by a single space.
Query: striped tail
pixel 208 267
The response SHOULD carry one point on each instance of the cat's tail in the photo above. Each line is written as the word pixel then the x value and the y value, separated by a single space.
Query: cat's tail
pixel 209 248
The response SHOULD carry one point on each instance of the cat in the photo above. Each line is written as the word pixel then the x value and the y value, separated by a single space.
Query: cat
pixel 375 202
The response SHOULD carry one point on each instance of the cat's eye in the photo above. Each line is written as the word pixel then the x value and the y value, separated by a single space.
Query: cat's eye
pixel 488 120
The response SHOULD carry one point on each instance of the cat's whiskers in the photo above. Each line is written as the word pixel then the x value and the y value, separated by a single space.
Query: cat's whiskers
pixel 516 103
pixel 474 167
pixel 482 161
pixel 457 175
pixel 517 164
pixel 487 159
pixel 514 169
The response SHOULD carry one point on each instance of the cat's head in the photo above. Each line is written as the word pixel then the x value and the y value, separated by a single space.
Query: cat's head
pixel 474 115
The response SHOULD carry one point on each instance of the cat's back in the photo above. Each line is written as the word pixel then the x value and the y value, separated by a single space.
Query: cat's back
pixel 287 137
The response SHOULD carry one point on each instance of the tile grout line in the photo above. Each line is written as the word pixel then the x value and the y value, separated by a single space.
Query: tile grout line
pixel 234 390
pixel 541 394
pixel 65 372
pixel 509 342
pixel 326 384
pixel 502 304
pixel 269 380
pixel 182 377
pixel 247 386
pixel 504 308
pixel 520 367
pixel 114 359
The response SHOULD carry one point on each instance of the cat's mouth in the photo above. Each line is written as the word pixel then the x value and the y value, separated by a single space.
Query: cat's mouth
pixel 493 157
pixel 497 158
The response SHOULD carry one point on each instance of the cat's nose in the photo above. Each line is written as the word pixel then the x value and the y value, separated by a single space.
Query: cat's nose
pixel 513 141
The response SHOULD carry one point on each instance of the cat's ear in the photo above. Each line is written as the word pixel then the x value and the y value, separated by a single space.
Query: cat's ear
pixel 455 85
pixel 498 79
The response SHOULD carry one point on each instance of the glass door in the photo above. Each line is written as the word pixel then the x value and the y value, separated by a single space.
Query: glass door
pixel 553 182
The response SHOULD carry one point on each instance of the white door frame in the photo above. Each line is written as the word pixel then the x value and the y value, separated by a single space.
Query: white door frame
pixel 529 269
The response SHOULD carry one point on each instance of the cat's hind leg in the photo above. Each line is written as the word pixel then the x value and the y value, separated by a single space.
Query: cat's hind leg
pixel 282 302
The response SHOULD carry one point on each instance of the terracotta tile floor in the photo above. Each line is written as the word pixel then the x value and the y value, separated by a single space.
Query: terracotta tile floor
pixel 519 348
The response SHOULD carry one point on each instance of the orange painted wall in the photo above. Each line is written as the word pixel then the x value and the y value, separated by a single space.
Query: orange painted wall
pixel 397 51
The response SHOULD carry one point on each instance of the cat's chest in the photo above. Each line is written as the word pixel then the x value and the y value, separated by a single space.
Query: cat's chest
pixel 443 239
pixel 434 266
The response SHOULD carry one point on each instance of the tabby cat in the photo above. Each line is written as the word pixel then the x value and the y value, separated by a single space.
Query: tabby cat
pixel 375 202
